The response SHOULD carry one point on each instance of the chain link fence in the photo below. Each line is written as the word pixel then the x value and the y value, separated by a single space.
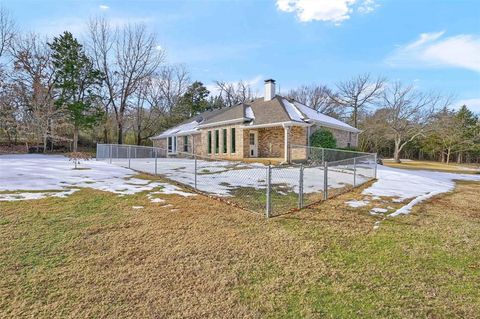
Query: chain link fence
pixel 270 190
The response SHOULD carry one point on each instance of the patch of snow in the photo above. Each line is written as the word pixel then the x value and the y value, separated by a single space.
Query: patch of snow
pixel 357 203
pixel 249 113
pixel 376 225
pixel 323 119
pixel 417 184
pixel 23 173
pixel 377 210
pixel 157 200
pixel 292 111
pixel 137 207
pixel 185 128
pixel 36 195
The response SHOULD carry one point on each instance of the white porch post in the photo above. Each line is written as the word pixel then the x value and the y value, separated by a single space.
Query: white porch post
pixel 287 155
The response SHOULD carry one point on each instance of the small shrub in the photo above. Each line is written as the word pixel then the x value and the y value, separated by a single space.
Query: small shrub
pixel 76 157
pixel 323 138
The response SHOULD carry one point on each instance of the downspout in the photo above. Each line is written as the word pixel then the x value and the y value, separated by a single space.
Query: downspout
pixel 286 144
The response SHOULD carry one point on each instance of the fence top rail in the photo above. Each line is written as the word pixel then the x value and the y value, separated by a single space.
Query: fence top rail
pixel 127 145
pixel 350 159
pixel 331 149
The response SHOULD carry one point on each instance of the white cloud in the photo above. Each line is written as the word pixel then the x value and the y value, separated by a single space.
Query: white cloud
pixel 436 50
pixel 103 7
pixel 335 11
pixel 472 104
pixel 367 6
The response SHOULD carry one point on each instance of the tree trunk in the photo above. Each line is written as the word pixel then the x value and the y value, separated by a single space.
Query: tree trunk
pixel 45 143
pixel 105 134
pixel 396 151
pixel 120 133
pixel 75 138
pixel 139 139
pixel 448 155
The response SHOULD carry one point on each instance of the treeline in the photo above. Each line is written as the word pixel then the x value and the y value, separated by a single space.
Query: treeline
pixel 115 85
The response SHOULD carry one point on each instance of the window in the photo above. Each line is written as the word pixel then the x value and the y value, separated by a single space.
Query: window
pixel 232 140
pixel 172 144
pixel 252 139
pixel 209 151
pixel 217 141
pixel 224 146
pixel 185 143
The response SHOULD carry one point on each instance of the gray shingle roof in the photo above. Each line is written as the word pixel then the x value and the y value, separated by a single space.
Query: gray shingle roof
pixel 258 112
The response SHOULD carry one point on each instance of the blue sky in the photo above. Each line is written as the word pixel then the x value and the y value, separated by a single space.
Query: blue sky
pixel 432 44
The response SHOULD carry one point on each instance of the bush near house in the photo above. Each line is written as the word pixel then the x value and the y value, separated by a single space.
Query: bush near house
pixel 323 138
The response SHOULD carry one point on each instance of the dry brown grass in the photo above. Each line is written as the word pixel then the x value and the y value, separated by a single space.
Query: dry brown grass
pixel 92 255
pixel 435 166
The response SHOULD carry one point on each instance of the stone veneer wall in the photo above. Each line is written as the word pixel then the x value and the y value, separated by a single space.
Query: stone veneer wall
pixel 342 137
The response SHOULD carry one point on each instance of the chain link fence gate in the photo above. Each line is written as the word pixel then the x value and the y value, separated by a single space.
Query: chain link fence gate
pixel 270 190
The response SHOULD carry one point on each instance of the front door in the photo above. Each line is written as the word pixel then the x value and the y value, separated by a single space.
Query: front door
pixel 253 138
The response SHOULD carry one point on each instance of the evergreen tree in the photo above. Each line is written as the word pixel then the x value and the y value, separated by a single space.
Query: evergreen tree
pixel 194 101
pixel 77 81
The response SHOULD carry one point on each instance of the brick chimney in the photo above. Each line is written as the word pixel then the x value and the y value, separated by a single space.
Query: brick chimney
pixel 269 89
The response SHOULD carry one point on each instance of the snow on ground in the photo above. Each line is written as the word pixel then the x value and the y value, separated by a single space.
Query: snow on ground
pixel 416 185
pixel 34 176
pixel 222 177
pixel 357 203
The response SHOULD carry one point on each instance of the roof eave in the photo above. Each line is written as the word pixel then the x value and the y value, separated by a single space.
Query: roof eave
pixel 220 123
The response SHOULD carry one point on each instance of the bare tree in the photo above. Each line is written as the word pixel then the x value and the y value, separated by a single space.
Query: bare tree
pixel 165 89
pixel 7 30
pixel 234 93
pixel 317 97
pixel 126 56
pixel 33 76
pixel 407 113
pixel 374 135
pixel 358 93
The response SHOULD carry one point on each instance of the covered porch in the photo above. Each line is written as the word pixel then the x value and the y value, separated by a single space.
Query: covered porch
pixel 272 143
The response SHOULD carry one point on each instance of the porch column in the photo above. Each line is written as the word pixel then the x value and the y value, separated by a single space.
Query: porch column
pixel 287 153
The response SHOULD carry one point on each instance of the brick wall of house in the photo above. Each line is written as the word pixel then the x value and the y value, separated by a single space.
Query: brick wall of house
pixel 344 138
pixel 298 136
pixel 239 142
pixel 271 142
pixel 161 143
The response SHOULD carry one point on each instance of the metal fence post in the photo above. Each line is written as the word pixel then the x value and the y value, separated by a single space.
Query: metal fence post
pixel 354 172
pixel 156 158
pixel 325 180
pixel 300 189
pixel 376 166
pixel 111 146
pixel 129 155
pixel 323 155
pixel 268 210
pixel 195 158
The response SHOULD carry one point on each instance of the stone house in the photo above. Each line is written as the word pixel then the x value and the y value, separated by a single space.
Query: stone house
pixel 263 128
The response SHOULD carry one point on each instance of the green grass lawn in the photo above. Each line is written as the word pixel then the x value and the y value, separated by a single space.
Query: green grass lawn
pixel 93 255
